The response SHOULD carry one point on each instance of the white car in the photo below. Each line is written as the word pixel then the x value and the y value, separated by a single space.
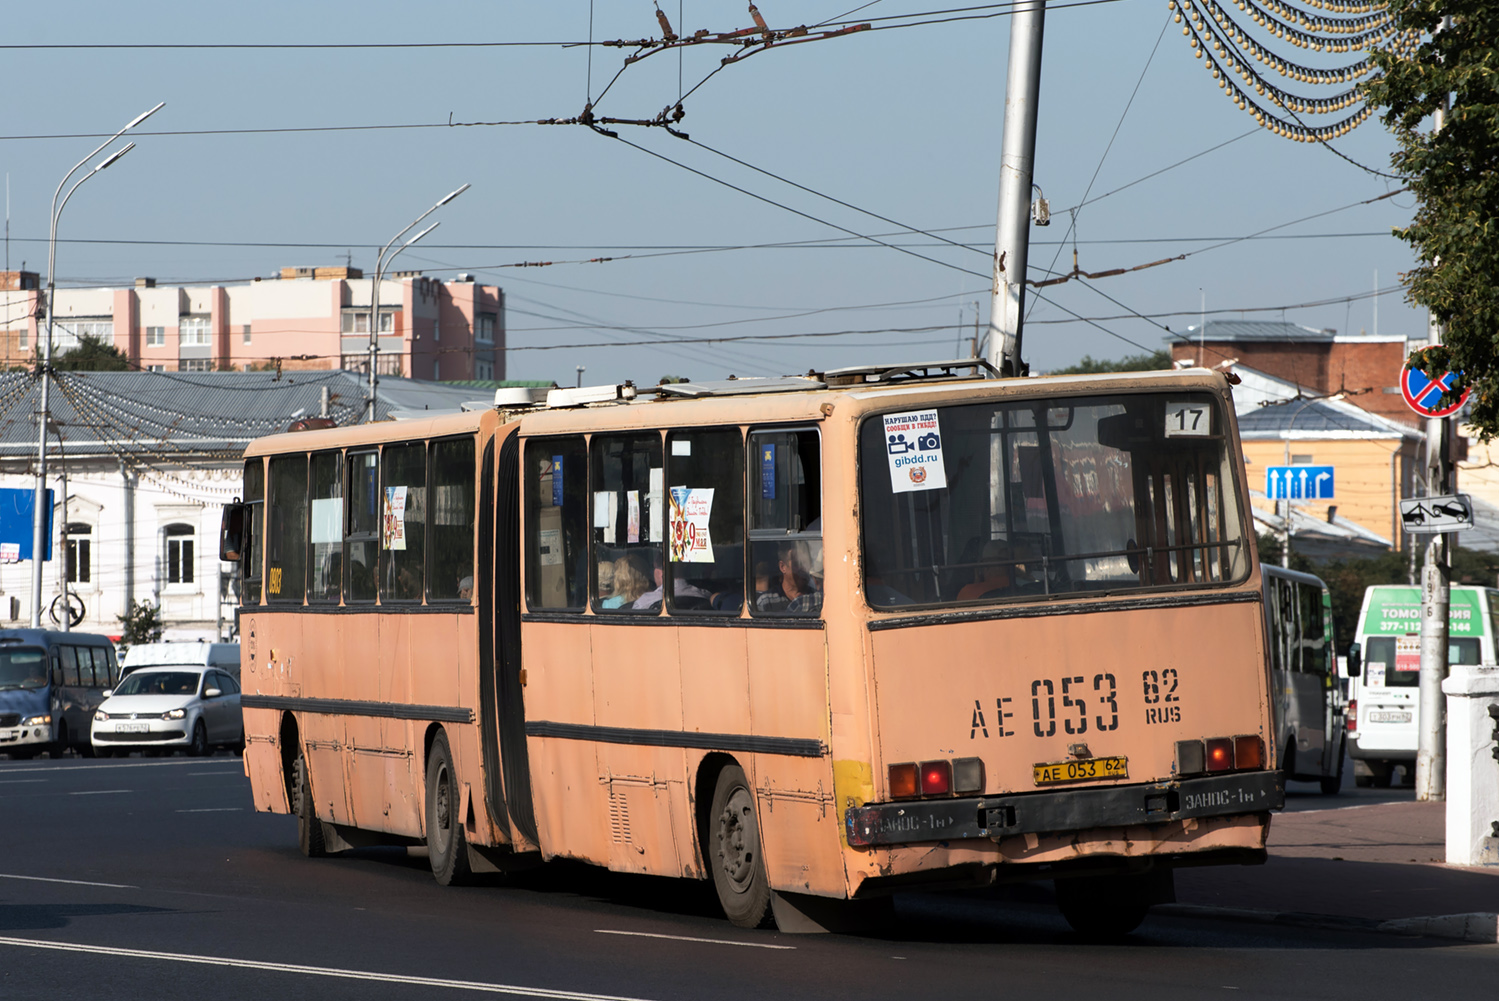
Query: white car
pixel 170 708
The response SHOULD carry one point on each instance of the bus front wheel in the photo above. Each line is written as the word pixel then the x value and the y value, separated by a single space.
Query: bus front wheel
pixel 734 844
pixel 1103 908
pixel 447 850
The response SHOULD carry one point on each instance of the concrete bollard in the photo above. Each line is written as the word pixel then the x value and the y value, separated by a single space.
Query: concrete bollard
pixel 1472 765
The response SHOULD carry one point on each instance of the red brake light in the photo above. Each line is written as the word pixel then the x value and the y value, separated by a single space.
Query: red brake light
pixel 1248 753
pixel 903 781
pixel 936 778
pixel 1220 754
pixel 1353 715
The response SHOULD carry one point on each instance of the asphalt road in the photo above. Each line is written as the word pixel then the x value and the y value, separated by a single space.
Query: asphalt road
pixel 153 879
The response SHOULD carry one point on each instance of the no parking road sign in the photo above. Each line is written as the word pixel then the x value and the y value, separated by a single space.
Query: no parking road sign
pixel 1423 394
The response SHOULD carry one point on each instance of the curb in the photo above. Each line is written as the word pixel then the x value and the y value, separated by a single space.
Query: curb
pixel 1478 927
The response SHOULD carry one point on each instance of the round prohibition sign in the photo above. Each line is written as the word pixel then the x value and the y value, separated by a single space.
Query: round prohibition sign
pixel 1423 394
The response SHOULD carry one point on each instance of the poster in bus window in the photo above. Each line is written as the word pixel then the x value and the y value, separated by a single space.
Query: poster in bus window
pixel 656 505
pixel 1374 673
pixel 393 520
pixel 688 535
pixel 632 529
pixel 913 446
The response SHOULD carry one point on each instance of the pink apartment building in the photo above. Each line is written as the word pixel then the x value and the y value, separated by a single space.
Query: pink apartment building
pixel 308 318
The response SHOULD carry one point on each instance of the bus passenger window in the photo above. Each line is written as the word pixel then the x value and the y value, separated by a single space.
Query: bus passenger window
pixel 556 519
pixel 452 575
pixel 785 528
pixel 1313 637
pixel 705 520
pixel 629 523
pixel 255 502
pixel 403 522
pixel 286 538
pixel 69 666
pixel 363 521
pixel 326 552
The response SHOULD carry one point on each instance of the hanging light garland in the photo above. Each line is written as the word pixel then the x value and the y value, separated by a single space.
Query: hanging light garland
pixel 1230 52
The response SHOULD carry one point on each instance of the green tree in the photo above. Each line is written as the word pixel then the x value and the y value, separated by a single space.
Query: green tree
pixel 140 626
pixel 1129 363
pixel 1454 174
pixel 91 354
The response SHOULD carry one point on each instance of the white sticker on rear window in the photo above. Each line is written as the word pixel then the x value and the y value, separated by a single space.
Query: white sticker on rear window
pixel 913 445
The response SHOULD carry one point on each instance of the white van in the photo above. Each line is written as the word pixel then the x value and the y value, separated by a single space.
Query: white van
pixel 1385 698
pixel 224 656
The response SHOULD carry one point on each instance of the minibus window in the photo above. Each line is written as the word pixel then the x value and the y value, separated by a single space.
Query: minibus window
pixel 69 666
pixel 556 490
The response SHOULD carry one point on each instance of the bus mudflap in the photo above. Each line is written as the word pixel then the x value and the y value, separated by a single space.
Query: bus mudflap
pixel 996 817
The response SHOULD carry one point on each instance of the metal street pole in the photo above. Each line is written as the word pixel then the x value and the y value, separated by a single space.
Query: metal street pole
pixel 380 262
pixel 1017 159
pixel 1431 742
pixel 39 512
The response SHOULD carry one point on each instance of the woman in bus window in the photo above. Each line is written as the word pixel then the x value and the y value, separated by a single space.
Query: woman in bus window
pixel 630 581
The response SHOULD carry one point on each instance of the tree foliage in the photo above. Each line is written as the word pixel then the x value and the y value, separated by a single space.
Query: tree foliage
pixel 142 625
pixel 91 354
pixel 1454 174
pixel 1089 365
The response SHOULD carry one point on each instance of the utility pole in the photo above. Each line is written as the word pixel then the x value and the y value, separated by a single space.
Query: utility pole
pixel 1016 163
pixel 1431 747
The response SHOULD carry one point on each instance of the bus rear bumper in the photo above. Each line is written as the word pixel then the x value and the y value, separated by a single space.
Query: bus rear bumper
pixel 1055 812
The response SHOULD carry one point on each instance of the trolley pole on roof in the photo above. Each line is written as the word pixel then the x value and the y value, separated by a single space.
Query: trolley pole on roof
pixel 1017 158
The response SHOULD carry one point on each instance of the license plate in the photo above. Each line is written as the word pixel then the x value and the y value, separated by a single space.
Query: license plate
pixel 1081 770
pixel 132 728
pixel 1389 717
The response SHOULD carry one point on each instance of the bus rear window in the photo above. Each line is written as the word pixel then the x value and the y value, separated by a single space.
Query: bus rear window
pixel 1402 668
pixel 998 501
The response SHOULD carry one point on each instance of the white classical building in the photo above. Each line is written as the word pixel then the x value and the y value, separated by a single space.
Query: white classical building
pixel 141 464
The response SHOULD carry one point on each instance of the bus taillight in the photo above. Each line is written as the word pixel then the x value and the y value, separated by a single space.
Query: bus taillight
pixel 936 778
pixel 1249 752
pixel 903 781
pixel 967 775
pixel 1189 758
pixel 1220 754
pixel 1353 715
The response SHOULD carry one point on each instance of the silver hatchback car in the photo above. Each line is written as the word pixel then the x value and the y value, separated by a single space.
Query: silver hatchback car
pixel 170 708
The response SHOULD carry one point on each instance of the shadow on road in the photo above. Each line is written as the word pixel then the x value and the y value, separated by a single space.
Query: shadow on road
pixel 34 917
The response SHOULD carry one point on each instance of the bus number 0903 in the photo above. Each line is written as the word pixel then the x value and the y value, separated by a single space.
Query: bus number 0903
pixel 1074 704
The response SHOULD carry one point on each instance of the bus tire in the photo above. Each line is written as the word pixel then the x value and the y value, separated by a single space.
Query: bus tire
pixel 1105 908
pixel 734 851
pixel 1333 784
pixel 447 849
pixel 309 828
pixel 59 747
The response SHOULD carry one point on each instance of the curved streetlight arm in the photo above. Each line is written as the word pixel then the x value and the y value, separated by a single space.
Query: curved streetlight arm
pixel 56 210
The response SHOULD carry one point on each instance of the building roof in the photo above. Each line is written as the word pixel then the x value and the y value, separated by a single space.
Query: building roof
pixel 195 415
pixel 1318 418
pixel 1254 330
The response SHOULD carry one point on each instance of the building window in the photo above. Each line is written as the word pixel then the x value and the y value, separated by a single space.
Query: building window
pixel 484 370
pixel 195 365
pixel 156 368
pixel 23 340
pixel 80 552
pixel 67 333
pixel 390 363
pixel 246 331
pixel 156 337
pixel 484 328
pixel 179 553
pixel 193 331
pixel 358 321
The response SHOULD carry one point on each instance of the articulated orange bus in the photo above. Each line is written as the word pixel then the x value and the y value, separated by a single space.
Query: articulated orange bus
pixel 815 639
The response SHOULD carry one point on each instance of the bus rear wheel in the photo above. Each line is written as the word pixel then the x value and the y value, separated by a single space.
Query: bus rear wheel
pixel 309 828
pixel 447 849
pixel 734 848
pixel 1105 908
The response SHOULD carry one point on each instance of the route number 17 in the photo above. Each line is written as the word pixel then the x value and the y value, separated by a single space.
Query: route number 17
pixel 1188 420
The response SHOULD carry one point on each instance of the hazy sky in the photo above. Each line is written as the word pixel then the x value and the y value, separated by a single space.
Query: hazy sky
pixel 903 123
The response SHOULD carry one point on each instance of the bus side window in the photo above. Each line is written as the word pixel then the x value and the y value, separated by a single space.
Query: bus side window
pixel 556 500
pixel 629 523
pixel 114 666
pixel 325 552
pixel 255 503
pixel 452 575
pixel 785 524
pixel 57 678
pixel 363 526
pixel 69 666
pixel 91 667
pixel 403 522
pixel 286 536
pixel 705 520
pixel 1313 636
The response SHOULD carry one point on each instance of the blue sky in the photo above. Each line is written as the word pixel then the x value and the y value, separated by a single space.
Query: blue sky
pixel 903 123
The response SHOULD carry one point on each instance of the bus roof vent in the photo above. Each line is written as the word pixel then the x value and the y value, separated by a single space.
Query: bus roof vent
pixel 514 397
pixel 584 395
pixel 738 387
pixel 962 368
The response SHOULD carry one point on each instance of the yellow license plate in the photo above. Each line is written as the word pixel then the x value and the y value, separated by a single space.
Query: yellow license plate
pixel 1081 770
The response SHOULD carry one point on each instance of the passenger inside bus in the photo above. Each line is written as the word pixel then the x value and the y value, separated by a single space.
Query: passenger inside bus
pixel 993 576
pixel 794 588
pixel 686 595
pixel 629 581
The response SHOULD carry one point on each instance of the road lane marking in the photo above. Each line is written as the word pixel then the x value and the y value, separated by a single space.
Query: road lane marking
pixel 221 771
pixel 689 938
pixel 312 971
pixel 16 782
pixel 214 809
pixel 64 769
pixel 98 792
pixel 70 882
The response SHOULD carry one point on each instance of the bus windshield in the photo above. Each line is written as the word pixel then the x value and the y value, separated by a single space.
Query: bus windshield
pixel 25 668
pixel 1009 500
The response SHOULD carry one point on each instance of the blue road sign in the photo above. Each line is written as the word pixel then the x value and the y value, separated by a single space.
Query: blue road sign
pixel 1299 482
pixel 16 525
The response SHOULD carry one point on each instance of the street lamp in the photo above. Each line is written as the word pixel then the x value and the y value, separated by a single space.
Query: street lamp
pixel 380 263
pixel 39 514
